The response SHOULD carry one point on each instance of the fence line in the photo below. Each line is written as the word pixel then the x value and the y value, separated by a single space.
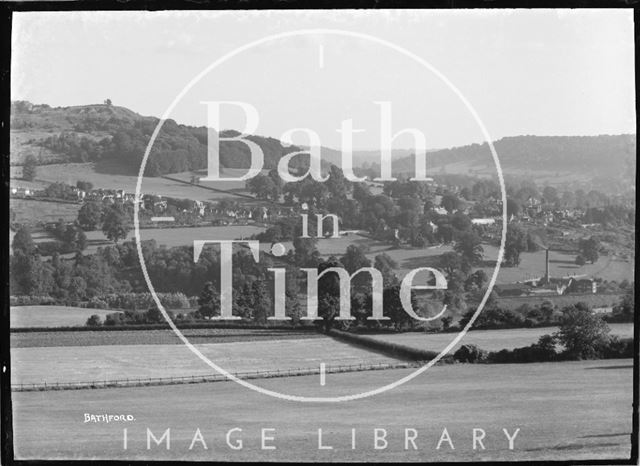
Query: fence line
pixel 205 378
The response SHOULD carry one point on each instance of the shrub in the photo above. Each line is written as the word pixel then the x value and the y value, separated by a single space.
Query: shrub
pixel 618 348
pixel 94 321
pixel 470 353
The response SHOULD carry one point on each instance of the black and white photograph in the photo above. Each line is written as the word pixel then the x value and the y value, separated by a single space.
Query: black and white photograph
pixel 324 235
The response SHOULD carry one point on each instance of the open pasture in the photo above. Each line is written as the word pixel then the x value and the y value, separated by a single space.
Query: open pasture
pixel 51 316
pixel 565 411
pixel 111 177
pixel 490 340
pixel 83 364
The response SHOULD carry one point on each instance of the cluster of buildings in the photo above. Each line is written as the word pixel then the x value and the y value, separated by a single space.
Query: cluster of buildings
pixel 547 285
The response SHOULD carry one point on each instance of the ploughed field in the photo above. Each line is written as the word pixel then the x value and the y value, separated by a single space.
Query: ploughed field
pixel 565 411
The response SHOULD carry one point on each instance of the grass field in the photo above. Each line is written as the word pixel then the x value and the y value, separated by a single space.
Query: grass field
pixel 565 411
pixel 490 340
pixel 81 364
pixel 51 316
pixel 152 337
pixel 107 177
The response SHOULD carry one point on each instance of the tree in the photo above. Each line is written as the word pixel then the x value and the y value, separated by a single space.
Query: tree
pixel 107 102
pixel 393 307
pixel 386 265
pixel 513 207
pixel 30 168
pixel 451 262
pixel 582 333
pixel 22 241
pixel 264 187
pixel 115 226
pixel 209 301
pixel 354 259
pixel 516 242
pixel 468 245
pixel 94 321
pixel 261 301
pixel 624 311
pixel 550 195
pixel 589 249
pixel 450 202
pixel 476 280
pixel 305 253
pixel 580 260
pixel 84 185
pixel 328 293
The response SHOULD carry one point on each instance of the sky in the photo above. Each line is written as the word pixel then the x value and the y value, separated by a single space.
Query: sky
pixel 540 72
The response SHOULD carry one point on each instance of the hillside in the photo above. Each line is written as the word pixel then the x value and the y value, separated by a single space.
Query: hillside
pixel 114 139
pixel 603 159
pixel 106 134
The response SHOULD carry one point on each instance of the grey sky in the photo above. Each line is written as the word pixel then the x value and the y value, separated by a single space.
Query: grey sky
pixel 542 72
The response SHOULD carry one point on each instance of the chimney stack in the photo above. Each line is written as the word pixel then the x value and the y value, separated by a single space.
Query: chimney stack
pixel 546 267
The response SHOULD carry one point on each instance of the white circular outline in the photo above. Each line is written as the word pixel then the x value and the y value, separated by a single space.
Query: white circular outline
pixel 398 49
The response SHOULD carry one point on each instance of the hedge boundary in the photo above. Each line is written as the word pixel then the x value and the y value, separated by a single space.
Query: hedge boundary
pixel 391 349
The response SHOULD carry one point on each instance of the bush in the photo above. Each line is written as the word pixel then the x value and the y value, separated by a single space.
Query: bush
pixel 470 353
pixel 618 348
pixel 94 321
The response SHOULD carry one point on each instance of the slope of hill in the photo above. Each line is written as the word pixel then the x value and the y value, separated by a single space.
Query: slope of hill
pixel 582 157
pixel 115 139
pixel 107 133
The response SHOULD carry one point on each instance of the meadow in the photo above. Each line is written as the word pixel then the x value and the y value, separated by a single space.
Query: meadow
pixel 120 361
pixel 565 411
pixel 111 177
pixel 51 316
